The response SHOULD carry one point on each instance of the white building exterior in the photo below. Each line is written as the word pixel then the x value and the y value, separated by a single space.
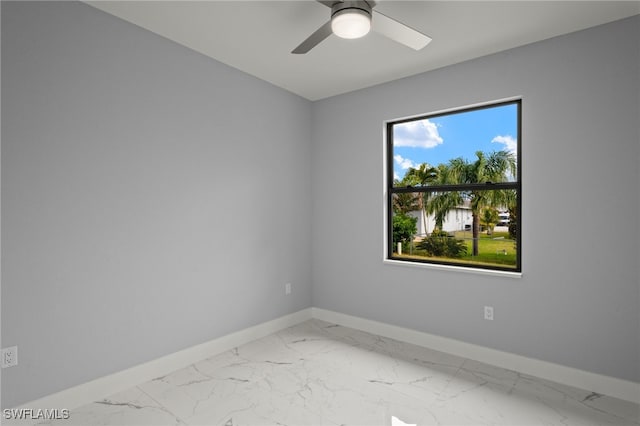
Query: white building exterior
pixel 455 220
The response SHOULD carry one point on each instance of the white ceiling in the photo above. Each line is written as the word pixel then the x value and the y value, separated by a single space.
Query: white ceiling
pixel 258 36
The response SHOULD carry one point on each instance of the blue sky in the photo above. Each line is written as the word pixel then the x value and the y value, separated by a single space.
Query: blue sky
pixel 439 139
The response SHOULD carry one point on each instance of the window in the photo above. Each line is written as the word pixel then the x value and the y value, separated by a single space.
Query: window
pixel 454 188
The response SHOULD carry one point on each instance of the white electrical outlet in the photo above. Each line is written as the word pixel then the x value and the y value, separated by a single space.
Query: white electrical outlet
pixel 10 357
pixel 287 288
pixel 488 313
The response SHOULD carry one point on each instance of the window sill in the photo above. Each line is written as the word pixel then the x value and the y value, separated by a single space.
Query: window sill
pixel 467 270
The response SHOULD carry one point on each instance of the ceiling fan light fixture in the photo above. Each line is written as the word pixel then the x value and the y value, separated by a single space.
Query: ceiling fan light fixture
pixel 351 23
pixel 352 19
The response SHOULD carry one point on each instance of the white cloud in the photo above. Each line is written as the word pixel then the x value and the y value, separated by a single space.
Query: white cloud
pixel 417 134
pixel 404 163
pixel 509 142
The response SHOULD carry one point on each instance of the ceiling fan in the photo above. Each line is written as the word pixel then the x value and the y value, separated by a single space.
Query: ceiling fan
pixel 354 19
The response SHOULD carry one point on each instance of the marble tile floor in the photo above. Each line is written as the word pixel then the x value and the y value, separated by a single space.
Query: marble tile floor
pixel 318 373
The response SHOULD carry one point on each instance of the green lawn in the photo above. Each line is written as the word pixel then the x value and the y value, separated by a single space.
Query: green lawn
pixel 496 249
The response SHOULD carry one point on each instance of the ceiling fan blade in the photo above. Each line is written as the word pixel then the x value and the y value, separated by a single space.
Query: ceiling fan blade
pixel 328 3
pixel 314 39
pixel 398 31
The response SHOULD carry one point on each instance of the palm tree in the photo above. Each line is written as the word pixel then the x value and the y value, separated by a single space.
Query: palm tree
pixel 421 176
pixel 495 167
pixel 404 202
pixel 441 203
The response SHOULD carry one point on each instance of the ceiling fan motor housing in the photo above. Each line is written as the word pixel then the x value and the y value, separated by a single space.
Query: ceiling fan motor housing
pixel 351 19
pixel 343 6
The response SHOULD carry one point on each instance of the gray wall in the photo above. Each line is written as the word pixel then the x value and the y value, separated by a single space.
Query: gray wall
pixel 152 198
pixel 578 302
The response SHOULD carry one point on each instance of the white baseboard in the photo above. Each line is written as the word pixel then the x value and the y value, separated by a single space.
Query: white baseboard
pixel 98 389
pixel 623 389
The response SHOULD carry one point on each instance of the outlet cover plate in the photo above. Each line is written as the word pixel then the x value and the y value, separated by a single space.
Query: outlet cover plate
pixel 488 313
pixel 10 357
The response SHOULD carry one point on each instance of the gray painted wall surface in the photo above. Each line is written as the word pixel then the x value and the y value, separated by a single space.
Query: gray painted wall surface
pixel 152 198
pixel 578 302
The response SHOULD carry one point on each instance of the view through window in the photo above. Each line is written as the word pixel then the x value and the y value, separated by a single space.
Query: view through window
pixel 454 191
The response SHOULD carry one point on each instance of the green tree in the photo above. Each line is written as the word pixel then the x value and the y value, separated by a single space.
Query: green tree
pixel 404 228
pixel 489 217
pixel 513 222
pixel 439 204
pixel 405 202
pixel 495 167
pixel 421 176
